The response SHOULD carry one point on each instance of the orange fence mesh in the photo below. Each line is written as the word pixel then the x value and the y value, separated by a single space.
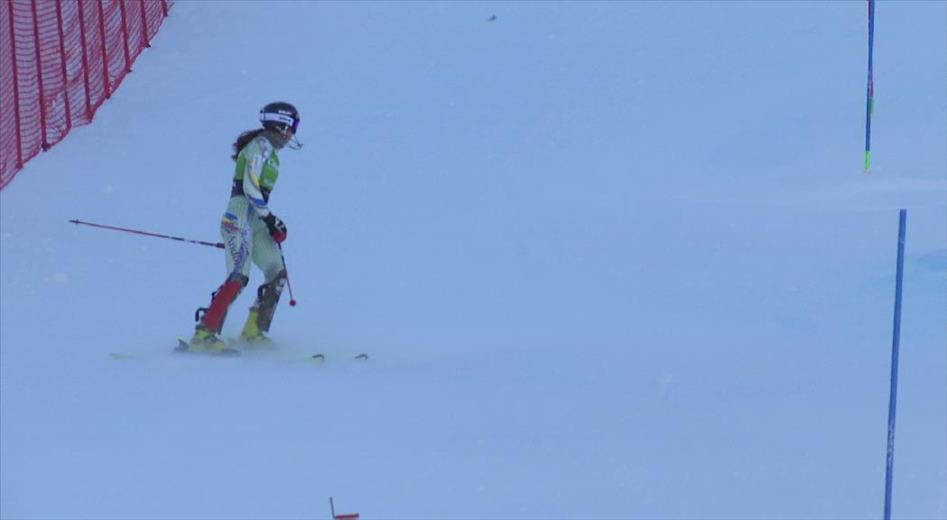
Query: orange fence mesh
pixel 59 61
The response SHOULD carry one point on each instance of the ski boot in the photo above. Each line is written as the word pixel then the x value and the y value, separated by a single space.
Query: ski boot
pixel 206 342
pixel 210 320
pixel 252 335
pixel 261 313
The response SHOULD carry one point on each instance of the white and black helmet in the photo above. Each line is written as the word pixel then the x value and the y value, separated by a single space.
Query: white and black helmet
pixel 280 116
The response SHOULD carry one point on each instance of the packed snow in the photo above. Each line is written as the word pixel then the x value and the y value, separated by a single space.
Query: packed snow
pixel 609 260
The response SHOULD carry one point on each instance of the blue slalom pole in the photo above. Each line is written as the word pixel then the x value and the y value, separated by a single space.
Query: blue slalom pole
pixel 896 338
pixel 870 101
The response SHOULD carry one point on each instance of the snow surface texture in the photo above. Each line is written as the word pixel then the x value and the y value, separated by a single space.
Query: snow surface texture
pixel 611 260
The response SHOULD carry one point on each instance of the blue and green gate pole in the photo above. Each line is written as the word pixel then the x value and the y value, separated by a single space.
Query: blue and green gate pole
pixel 870 102
pixel 896 338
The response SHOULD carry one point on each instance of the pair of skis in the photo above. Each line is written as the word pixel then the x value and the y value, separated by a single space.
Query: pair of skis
pixel 184 347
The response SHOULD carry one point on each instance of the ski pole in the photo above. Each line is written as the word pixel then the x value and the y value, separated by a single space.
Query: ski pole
pixel 292 301
pixel 218 245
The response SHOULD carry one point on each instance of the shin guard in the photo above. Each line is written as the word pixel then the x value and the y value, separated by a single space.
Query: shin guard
pixel 267 297
pixel 213 319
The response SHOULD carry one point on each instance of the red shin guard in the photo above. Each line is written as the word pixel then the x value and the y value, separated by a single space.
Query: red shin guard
pixel 214 317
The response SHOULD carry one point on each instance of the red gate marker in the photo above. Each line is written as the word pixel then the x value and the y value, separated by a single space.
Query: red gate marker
pixel 346 516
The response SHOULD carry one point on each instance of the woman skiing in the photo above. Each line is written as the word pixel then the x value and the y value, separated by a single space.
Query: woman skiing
pixel 251 232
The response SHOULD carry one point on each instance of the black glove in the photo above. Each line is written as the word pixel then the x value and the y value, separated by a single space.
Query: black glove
pixel 276 226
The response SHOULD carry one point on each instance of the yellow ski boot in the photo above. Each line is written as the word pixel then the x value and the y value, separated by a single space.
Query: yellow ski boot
pixel 252 335
pixel 206 342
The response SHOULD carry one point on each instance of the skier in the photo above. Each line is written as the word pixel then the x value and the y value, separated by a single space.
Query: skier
pixel 251 232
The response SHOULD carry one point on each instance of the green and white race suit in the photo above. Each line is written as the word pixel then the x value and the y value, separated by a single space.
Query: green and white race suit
pixel 245 235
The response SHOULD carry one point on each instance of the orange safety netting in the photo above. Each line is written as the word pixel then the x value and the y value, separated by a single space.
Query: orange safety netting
pixel 59 61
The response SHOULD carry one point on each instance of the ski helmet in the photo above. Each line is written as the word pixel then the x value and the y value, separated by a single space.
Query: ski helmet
pixel 280 116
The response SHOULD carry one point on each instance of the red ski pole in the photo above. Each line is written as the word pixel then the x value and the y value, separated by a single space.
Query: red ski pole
pixel 218 245
pixel 292 301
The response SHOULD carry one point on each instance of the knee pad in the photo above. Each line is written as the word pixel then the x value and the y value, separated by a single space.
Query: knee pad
pixel 240 278
pixel 272 289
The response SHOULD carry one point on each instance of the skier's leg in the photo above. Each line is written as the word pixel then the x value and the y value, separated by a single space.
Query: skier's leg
pixel 266 255
pixel 237 259
pixel 213 319
pixel 268 296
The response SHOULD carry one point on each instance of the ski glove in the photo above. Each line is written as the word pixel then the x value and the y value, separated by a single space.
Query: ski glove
pixel 276 226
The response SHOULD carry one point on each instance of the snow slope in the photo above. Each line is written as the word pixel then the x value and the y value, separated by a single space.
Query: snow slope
pixel 611 260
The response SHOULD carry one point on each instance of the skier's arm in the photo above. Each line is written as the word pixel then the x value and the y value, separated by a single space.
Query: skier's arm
pixel 251 176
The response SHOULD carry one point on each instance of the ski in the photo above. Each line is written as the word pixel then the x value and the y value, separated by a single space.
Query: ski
pixel 252 348
pixel 321 358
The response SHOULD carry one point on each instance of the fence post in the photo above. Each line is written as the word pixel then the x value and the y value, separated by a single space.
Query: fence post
pixel 16 88
pixel 128 58
pixel 144 23
pixel 85 59
pixel 62 62
pixel 39 78
pixel 105 56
